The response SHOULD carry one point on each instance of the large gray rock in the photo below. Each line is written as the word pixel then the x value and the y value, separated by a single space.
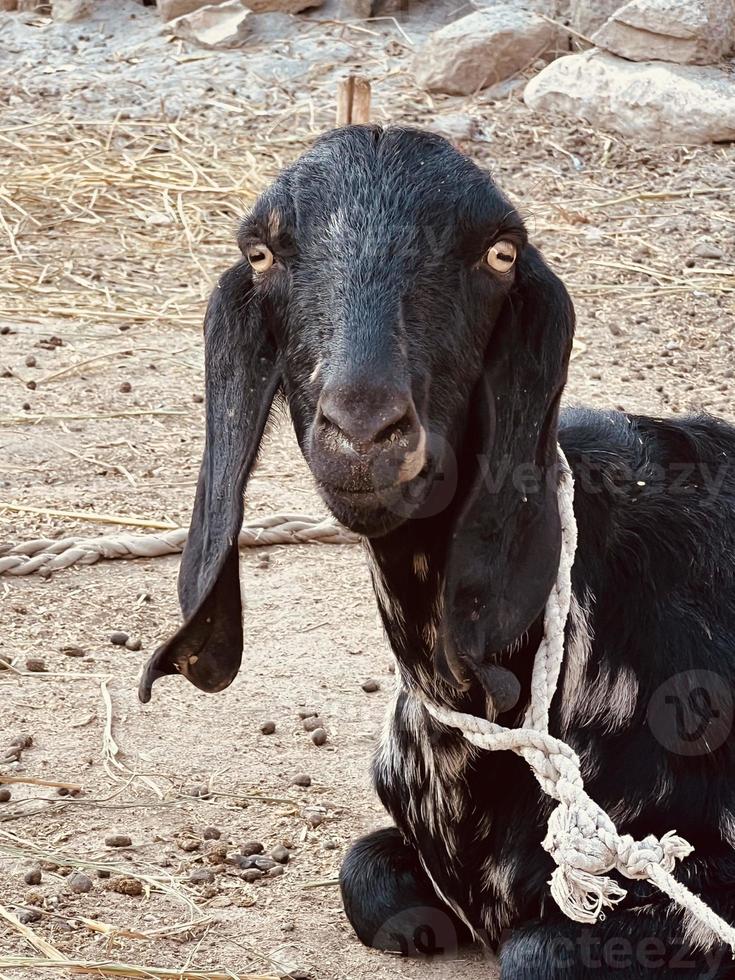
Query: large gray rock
pixel 697 32
pixel 282 6
pixel 586 16
pixel 482 48
pixel 650 101
pixel 171 9
pixel 346 9
pixel 222 25
pixel 70 10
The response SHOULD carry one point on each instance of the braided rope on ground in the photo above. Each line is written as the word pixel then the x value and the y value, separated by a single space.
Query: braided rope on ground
pixel 43 556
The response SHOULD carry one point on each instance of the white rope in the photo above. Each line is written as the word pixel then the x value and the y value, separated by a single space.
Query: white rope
pixel 581 837
pixel 45 555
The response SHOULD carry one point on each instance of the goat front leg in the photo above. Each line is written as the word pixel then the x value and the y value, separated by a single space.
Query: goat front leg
pixel 391 903
pixel 630 944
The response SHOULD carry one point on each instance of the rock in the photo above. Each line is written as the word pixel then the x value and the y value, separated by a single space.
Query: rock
pixel 35 665
pixel 31 361
pixel 346 9
pixel 264 863
pixel 79 883
pixel 319 736
pixel 119 638
pixel 220 25
pixel 252 874
pixel 72 651
pixel 706 250
pixel 25 916
pixel 211 833
pixel 69 10
pixel 118 840
pixel 268 727
pixel 455 126
pixel 370 686
pixel 586 16
pixel 687 32
pixel 133 643
pixel 281 6
pixel 171 9
pixel 201 876
pixel 276 871
pixel 5 795
pixel 301 780
pixel 481 49
pixel 312 723
pixel 216 852
pixel 252 847
pixel 281 854
pixel 307 713
pixel 650 101
pixel 33 877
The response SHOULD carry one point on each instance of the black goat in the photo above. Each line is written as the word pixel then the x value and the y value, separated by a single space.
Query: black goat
pixel 388 290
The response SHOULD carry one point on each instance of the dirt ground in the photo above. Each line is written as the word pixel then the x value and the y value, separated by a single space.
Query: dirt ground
pixel 114 226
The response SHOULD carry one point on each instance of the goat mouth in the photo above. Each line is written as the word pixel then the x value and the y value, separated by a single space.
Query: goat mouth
pixel 376 512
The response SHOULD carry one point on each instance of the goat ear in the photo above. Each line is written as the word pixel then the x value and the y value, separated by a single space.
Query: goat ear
pixel 241 377
pixel 505 548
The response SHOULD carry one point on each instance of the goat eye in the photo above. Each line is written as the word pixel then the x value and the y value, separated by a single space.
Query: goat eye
pixel 501 256
pixel 260 257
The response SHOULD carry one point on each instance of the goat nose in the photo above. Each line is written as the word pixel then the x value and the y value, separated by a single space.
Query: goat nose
pixel 367 417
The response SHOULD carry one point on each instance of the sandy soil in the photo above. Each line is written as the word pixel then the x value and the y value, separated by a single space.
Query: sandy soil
pixel 655 334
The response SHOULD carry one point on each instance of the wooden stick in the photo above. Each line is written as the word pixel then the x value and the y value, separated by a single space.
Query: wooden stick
pixel 72 787
pixel 353 101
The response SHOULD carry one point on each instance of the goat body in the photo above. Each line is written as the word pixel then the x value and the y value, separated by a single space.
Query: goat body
pixel 388 290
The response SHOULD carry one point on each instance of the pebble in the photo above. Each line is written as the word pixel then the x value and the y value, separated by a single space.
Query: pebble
pixel 22 741
pixel 72 651
pixel 252 847
pixel 197 398
pixel 103 873
pixel 268 727
pixel 276 871
pixel 370 686
pixel 118 840
pixel 35 665
pixel 31 385
pixel 312 723
pixel 705 250
pixel 198 790
pixel 126 886
pixel 281 854
pixel 252 874
pixel 119 638
pixel 211 833
pixel 5 795
pixel 28 915
pixel 264 863
pixel 80 883
pixel 26 406
pixel 307 713
pixel 30 361
pixel 314 817
pixel 301 780
pixel 133 643
pixel 201 876
pixel 33 877
pixel 319 736
pixel 288 927
pixel 126 387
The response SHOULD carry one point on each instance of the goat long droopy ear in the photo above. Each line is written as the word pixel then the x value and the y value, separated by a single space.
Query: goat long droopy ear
pixel 504 553
pixel 241 377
